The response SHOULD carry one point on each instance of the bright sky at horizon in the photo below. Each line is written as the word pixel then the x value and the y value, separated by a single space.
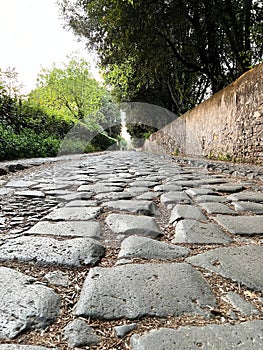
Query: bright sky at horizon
pixel 32 37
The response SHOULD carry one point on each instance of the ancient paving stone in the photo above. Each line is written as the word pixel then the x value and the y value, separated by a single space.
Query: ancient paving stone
pixel 192 231
pixel 147 248
pixel 175 198
pixel 185 211
pixel 100 188
pixel 57 278
pixel 113 196
pixel 79 333
pixel 23 304
pixel 137 290
pixel 198 191
pixel 82 203
pixel 241 264
pixel 168 188
pixel 133 206
pixel 241 225
pixel 247 196
pixel 42 250
pixel 242 305
pixel 136 190
pixel 217 208
pixel 243 336
pixel 255 208
pixel 141 183
pixel 76 196
pixel 88 229
pixel 132 225
pixel 20 184
pixel 211 198
pixel 227 188
pixel 30 193
pixel 121 331
pixel 6 191
pixel 74 214
pixel 148 195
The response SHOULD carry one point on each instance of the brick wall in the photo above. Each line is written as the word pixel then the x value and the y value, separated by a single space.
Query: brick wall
pixel 227 126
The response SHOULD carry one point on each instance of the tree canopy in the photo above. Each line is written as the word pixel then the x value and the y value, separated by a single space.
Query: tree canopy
pixel 169 52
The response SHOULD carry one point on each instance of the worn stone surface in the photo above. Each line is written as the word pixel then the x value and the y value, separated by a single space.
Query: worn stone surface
pixel 57 278
pixel 88 229
pixel 241 225
pixel 241 264
pixel 217 208
pixel 192 231
pixel 210 198
pixel 147 248
pixel 132 225
pixel 24 304
pixel 134 291
pixel 242 207
pixel 175 198
pixel 50 251
pixel 184 211
pixel 134 206
pixel 247 196
pixel 75 213
pixel 121 331
pixel 241 304
pixel 244 336
pixel 79 333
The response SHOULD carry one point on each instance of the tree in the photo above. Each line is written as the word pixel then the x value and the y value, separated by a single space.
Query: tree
pixel 170 52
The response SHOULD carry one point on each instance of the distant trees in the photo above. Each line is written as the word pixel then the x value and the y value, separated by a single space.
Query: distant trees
pixel 169 52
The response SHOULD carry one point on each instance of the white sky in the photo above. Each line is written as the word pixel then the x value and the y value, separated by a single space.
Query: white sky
pixel 32 36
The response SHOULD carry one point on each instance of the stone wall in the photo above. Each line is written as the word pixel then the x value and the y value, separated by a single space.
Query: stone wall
pixel 227 126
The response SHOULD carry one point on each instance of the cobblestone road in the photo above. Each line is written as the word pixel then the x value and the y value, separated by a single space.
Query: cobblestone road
pixel 127 250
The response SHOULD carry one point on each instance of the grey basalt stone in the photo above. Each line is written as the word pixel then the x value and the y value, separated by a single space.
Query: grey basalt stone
pixel 134 206
pixel 23 304
pixel 185 211
pixel 217 208
pixel 79 333
pixel 175 198
pixel 113 196
pixel 123 330
pixel 241 264
pixel 49 251
pixel 243 336
pixel 137 290
pixel 30 193
pixel 132 225
pixel 211 198
pixel 74 213
pixel 147 248
pixel 88 229
pixel 255 208
pixel 241 225
pixel 247 196
pixel 242 305
pixel 192 231
pixel 57 278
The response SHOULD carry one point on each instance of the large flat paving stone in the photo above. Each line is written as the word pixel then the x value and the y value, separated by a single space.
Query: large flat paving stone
pixel 133 225
pixel 185 211
pixel 247 196
pixel 133 206
pixel 255 208
pixel 240 264
pixel 217 208
pixel 243 336
pixel 241 225
pixel 134 291
pixel 88 229
pixel 50 251
pixel 147 248
pixel 74 213
pixel 23 304
pixel 175 198
pixel 105 196
pixel 192 231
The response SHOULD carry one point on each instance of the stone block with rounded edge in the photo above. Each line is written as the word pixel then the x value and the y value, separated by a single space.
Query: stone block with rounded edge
pixel 79 333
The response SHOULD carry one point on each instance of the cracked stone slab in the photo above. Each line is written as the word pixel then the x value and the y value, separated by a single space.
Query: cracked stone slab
pixel 49 251
pixel 241 225
pixel 255 208
pixel 217 208
pixel 132 225
pixel 133 206
pixel 175 198
pixel 241 304
pixel 240 264
pixel 23 304
pixel 137 290
pixel 74 213
pixel 185 211
pixel 243 336
pixel 147 248
pixel 247 196
pixel 192 231
pixel 88 229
